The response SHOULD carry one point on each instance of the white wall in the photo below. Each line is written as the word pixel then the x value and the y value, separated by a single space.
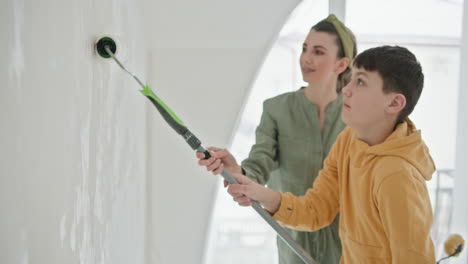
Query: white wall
pixel 72 137
pixel 89 171
pixel 205 55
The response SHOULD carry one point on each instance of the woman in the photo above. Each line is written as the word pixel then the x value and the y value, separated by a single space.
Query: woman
pixel 297 130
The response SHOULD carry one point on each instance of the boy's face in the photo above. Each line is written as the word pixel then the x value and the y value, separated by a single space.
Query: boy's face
pixel 365 104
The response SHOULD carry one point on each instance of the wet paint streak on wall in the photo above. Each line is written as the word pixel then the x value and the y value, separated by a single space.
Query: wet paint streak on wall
pixel 73 134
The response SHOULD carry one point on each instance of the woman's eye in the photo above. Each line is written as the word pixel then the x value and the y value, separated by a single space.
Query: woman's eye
pixel 304 49
pixel 360 82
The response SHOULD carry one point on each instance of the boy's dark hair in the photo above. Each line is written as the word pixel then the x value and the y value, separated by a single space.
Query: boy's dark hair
pixel 400 72
pixel 345 77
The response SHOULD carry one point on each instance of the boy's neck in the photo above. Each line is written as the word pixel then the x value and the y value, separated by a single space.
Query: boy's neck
pixel 375 134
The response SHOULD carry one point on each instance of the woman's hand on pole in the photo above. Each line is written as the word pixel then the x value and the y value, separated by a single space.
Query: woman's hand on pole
pixel 220 159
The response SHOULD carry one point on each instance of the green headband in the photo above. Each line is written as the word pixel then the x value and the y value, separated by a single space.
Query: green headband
pixel 344 34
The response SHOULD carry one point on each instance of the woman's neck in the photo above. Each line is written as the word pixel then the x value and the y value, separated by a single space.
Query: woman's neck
pixel 321 96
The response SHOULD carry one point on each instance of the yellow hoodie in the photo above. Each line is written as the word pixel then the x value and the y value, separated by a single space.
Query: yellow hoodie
pixel 381 195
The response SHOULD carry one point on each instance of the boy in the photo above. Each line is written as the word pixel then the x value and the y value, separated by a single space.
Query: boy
pixel 375 172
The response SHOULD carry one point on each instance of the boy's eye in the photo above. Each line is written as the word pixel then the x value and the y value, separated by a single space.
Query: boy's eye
pixel 360 82
pixel 304 49
pixel 318 52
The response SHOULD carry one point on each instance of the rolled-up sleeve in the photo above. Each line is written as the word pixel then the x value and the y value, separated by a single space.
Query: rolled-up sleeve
pixel 263 155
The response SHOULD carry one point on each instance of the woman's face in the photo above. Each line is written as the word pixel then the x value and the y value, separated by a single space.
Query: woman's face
pixel 318 59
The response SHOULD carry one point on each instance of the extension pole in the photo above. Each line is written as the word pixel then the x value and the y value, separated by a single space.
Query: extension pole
pixel 195 144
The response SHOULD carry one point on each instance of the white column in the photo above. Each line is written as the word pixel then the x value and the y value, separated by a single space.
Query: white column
pixel 337 7
pixel 460 209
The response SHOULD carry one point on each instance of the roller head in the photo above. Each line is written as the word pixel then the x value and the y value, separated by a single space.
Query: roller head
pixel 454 245
pixel 102 43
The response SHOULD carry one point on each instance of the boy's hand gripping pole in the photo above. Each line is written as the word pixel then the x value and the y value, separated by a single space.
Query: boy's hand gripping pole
pixel 175 122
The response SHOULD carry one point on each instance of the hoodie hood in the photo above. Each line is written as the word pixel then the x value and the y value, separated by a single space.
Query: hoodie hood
pixel 405 142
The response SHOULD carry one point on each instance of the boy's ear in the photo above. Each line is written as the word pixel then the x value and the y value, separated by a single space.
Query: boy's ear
pixel 397 103
pixel 342 64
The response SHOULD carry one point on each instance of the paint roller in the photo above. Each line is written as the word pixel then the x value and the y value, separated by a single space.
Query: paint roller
pixel 106 47
pixel 453 246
